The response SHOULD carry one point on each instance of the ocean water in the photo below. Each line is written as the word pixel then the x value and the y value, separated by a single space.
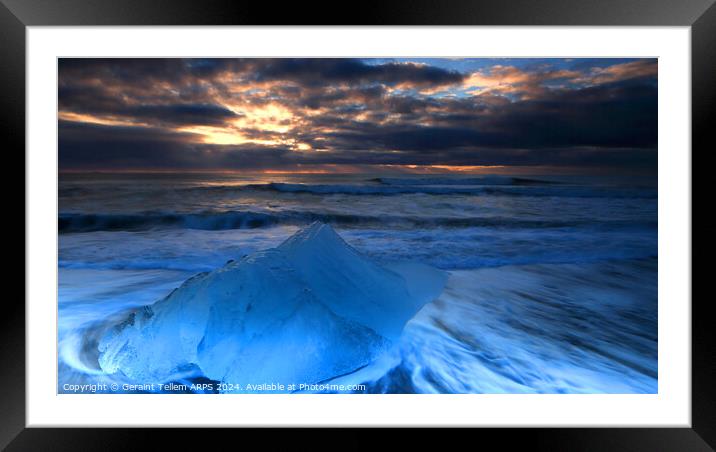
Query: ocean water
pixel 552 286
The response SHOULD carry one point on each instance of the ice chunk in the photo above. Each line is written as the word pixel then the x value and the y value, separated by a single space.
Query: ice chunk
pixel 311 309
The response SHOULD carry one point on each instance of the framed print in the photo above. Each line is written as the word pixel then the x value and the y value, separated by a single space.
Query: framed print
pixel 464 216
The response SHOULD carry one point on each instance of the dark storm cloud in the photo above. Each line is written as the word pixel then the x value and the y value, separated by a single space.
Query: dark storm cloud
pixel 302 71
pixel 182 114
pixel 124 88
pixel 95 146
pixel 620 115
pixel 99 146
pixel 275 113
pixel 317 98
pixel 615 115
pixel 317 72
pixel 139 71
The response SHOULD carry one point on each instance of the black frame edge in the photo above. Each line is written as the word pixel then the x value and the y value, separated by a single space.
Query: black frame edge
pixel 12 124
pixel 379 12
pixel 18 14
pixel 703 116
pixel 550 439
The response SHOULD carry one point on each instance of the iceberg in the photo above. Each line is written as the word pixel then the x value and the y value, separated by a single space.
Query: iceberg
pixel 311 309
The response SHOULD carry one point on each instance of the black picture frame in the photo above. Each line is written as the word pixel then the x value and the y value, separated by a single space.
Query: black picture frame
pixel 16 15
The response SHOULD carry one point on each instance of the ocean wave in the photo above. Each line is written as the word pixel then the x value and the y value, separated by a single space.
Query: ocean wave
pixel 216 221
pixel 393 190
pixel 205 221
pixel 482 180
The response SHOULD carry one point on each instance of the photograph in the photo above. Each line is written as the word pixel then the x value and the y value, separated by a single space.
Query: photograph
pixel 399 225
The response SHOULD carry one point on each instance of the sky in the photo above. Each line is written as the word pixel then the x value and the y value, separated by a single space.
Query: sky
pixel 358 115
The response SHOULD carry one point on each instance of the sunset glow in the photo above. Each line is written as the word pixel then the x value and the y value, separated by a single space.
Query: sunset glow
pixel 447 115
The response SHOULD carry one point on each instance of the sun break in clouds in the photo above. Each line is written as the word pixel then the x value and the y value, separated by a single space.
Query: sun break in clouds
pixel 356 114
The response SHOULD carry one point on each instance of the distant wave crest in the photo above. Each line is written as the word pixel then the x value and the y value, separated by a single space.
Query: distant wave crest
pixel 562 191
pixel 482 180
pixel 215 221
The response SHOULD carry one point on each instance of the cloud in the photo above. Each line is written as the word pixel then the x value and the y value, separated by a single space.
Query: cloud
pixel 511 80
pixel 528 84
pixel 183 113
pixel 618 72
pixel 316 72
pixel 266 113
